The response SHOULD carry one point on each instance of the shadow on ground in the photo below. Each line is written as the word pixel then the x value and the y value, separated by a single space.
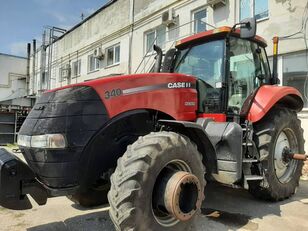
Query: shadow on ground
pixel 223 209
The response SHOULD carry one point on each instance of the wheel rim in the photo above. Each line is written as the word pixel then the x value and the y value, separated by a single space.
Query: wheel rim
pixel 285 167
pixel 161 213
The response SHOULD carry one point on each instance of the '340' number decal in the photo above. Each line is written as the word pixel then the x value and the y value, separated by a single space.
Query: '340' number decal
pixel 113 93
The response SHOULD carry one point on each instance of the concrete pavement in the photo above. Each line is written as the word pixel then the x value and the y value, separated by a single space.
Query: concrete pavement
pixel 223 209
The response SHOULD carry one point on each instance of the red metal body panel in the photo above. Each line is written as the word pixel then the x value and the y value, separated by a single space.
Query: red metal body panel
pixel 148 91
pixel 215 117
pixel 267 97
pixel 213 34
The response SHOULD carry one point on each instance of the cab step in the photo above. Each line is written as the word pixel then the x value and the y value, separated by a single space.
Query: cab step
pixel 251 178
pixel 250 160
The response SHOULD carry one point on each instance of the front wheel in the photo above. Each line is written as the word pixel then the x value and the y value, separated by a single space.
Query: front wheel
pixel 158 184
pixel 278 131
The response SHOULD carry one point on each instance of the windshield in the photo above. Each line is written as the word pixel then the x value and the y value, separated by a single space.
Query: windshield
pixel 204 62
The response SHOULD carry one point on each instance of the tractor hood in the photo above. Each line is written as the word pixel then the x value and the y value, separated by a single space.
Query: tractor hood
pixel 64 120
pixel 171 93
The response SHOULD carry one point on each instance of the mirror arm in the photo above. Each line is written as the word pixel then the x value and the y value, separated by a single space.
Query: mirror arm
pixel 246 24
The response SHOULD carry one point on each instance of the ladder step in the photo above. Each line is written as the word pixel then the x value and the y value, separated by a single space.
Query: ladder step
pixel 253 177
pixel 250 161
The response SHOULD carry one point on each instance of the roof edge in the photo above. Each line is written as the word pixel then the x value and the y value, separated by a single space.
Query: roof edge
pixel 14 56
pixel 87 18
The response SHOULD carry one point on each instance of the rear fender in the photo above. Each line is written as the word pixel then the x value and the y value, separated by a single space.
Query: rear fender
pixel 268 96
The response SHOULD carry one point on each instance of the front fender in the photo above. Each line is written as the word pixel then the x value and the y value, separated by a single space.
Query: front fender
pixel 198 135
pixel 268 96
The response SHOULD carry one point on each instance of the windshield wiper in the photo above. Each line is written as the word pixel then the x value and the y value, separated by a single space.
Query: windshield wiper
pixel 183 57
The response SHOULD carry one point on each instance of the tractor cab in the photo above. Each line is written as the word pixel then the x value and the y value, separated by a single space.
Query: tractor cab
pixel 230 65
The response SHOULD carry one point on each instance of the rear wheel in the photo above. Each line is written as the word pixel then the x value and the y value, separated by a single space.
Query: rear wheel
pixel 276 133
pixel 158 184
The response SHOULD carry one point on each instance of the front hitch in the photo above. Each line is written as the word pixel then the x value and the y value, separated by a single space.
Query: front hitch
pixel 16 181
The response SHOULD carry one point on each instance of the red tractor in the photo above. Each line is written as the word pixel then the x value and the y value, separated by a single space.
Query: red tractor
pixel 211 111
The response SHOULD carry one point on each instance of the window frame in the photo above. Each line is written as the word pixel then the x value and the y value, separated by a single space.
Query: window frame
pixel 253 10
pixel 97 64
pixel 155 30
pixel 61 69
pixel 74 75
pixel 193 25
pixel 296 75
pixel 114 61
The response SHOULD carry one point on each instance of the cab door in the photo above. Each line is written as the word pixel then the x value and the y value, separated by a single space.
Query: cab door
pixel 248 70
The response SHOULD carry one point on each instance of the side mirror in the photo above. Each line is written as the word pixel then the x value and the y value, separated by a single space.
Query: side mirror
pixel 248 28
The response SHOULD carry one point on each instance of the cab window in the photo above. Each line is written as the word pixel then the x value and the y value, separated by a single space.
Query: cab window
pixel 248 70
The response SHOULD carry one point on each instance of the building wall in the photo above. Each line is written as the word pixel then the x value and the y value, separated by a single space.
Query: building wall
pixel 13 80
pixel 128 21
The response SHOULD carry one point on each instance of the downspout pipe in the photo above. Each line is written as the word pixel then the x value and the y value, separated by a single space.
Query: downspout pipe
pixel 28 66
pixel 33 65
pixel 131 35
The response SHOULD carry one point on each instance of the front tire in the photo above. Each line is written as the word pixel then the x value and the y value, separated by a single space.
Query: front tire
pixel 136 181
pixel 280 128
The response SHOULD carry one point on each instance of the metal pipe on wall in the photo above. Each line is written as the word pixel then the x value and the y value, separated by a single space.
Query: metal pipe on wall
pixel 131 34
pixel 33 65
pixel 28 67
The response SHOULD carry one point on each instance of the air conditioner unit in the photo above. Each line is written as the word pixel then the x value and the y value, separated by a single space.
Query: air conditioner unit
pixel 214 3
pixel 169 18
pixel 98 53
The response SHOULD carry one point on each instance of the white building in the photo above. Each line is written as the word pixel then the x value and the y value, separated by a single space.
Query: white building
pixel 14 103
pixel 117 37
pixel 13 81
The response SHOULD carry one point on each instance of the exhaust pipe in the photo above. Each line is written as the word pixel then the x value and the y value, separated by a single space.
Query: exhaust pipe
pixel 275 79
pixel 159 58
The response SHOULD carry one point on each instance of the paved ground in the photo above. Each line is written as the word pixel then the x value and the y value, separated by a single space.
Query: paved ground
pixel 224 209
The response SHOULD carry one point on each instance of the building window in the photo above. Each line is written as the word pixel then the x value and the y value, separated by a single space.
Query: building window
pixel 253 8
pixel 199 18
pixel 65 72
pixel 295 73
pixel 44 80
pixel 113 55
pixel 157 37
pixel 93 63
pixel 76 68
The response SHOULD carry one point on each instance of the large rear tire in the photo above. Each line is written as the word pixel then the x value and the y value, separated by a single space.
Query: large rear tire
pixel 137 180
pixel 280 128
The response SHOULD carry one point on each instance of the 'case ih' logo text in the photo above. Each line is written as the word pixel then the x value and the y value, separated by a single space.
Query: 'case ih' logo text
pixel 179 85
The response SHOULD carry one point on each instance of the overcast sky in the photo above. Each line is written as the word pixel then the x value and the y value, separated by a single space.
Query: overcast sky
pixel 23 20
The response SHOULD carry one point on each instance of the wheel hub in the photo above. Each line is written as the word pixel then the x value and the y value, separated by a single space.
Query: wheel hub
pixel 182 195
pixel 284 165
pixel 177 194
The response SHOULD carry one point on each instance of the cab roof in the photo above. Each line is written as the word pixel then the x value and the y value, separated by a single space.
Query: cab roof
pixel 215 34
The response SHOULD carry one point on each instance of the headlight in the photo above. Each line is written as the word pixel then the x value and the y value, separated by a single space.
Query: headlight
pixel 50 141
pixel 24 141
